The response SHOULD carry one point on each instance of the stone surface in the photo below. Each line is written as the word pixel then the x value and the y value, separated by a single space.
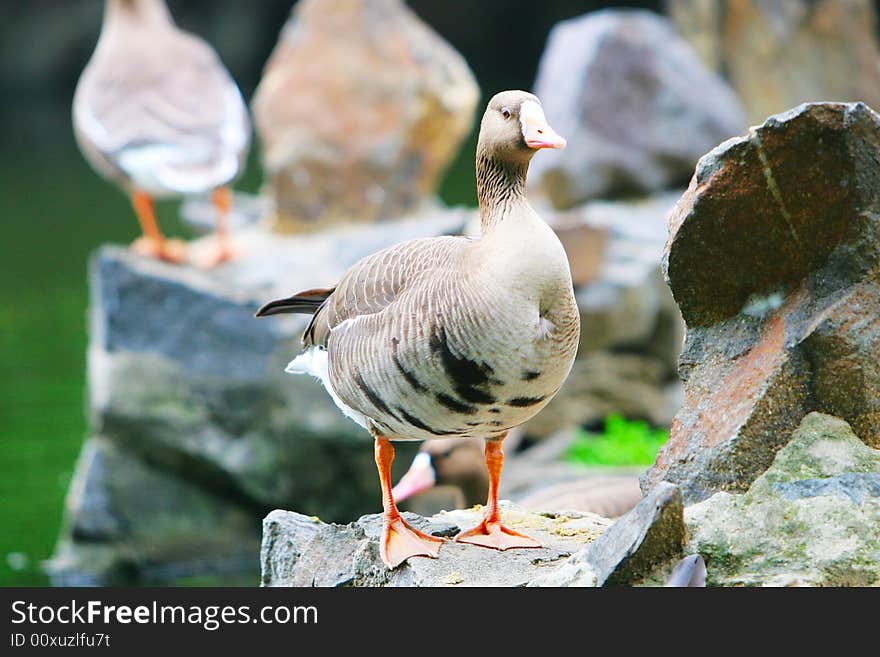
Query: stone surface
pixel 187 385
pixel 302 551
pixel 774 260
pixel 635 103
pixel 813 518
pixel 780 54
pixel 132 523
pixel 632 550
pixel 360 109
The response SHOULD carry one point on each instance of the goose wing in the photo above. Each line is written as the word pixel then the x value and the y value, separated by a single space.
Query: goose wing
pixel 376 282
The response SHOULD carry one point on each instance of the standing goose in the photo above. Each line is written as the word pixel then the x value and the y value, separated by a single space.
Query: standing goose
pixel 156 112
pixel 452 336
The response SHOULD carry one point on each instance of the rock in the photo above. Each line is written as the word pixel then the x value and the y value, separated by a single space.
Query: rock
pixel 361 108
pixel 813 518
pixel 187 385
pixel 630 551
pixel 780 54
pixel 130 523
pixel 302 551
pixel 774 260
pixel 635 103
pixel 631 330
pixel 584 244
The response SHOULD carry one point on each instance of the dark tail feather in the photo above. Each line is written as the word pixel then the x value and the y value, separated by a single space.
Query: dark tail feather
pixel 306 303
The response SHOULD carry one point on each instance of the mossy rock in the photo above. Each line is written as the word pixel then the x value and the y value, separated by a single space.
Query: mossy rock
pixel 812 519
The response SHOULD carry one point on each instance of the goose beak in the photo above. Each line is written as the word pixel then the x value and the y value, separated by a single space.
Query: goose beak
pixel 418 478
pixel 535 129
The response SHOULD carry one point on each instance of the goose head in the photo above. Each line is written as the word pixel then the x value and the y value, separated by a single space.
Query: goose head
pixel 514 127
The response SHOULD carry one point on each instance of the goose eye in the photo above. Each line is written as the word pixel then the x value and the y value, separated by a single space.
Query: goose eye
pixel 505 112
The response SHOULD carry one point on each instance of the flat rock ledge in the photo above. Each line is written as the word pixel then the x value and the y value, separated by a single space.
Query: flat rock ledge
pixel 580 549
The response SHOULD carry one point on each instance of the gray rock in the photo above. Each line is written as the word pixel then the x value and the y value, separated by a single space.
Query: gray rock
pixel 302 551
pixel 632 550
pixel 774 260
pixel 813 518
pixel 780 54
pixel 635 103
pixel 130 523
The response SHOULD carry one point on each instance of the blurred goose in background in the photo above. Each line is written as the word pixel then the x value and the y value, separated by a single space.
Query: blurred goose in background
pixel 156 112
pixel 458 464
pixel 452 336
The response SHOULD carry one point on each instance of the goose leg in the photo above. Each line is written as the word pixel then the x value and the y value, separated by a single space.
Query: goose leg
pixel 153 244
pixel 399 541
pixel 490 532
pixel 222 250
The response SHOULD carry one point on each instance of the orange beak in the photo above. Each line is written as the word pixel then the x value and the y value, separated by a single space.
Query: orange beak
pixel 536 132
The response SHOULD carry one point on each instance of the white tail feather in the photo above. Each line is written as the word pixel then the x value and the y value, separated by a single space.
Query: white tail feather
pixel 314 361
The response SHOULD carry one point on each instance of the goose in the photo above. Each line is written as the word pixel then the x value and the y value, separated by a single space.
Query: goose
pixel 458 464
pixel 157 113
pixel 452 336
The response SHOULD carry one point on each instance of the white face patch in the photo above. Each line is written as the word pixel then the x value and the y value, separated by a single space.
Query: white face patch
pixel 531 113
pixel 422 461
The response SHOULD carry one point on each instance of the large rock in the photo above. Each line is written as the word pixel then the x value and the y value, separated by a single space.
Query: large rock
pixel 187 385
pixel 360 109
pixel 774 260
pixel 635 103
pixel 813 518
pixel 780 54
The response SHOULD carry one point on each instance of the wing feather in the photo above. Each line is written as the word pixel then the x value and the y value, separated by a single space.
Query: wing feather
pixel 377 281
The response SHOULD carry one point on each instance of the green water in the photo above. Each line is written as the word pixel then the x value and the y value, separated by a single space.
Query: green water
pixel 55 212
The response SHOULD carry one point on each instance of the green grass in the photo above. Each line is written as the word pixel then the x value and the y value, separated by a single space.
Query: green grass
pixel 624 442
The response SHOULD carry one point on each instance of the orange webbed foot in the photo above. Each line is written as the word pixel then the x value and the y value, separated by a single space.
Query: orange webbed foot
pixel 173 251
pixel 399 542
pixel 216 255
pixel 492 534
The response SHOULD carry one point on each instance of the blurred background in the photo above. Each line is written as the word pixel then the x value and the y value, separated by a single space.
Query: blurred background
pixel 56 211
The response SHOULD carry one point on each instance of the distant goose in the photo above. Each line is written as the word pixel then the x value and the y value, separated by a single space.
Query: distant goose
pixel 448 462
pixel 452 336
pixel 156 112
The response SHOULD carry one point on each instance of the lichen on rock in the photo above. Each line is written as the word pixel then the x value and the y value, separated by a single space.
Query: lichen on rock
pixel 813 518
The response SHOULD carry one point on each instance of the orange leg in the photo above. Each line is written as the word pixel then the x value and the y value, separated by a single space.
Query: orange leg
pixel 490 532
pixel 222 250
pixel 399 541
pixel 153 244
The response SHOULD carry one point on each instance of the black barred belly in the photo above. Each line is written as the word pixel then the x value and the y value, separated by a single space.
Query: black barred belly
pixel 477 408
